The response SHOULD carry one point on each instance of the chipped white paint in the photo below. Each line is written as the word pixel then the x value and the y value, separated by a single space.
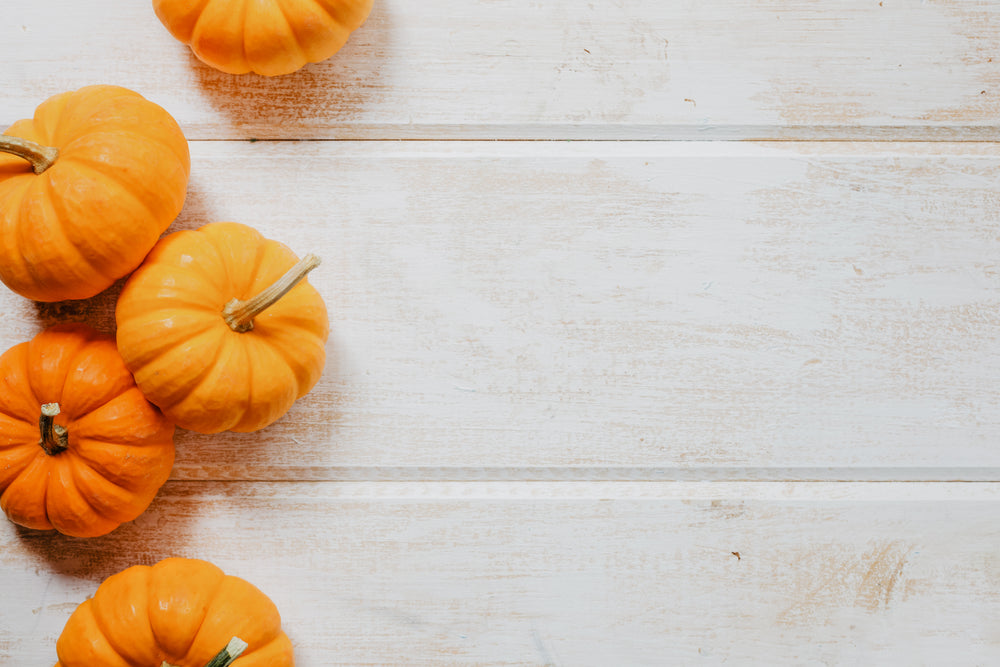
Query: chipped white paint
pixel 637 306
pixel 784 574
pixel 588 403
pixel 526 69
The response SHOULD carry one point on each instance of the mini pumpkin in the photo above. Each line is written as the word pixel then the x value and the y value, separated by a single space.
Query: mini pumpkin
pixel 81 450
pixel 221 329
pixel 272 37
pixel 179 612
pixel 86 188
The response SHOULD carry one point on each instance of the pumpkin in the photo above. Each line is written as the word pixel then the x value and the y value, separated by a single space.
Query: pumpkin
pixel 269 37
pixel 86 188
pixel 81 450
pixel 221 329
pixel 179 612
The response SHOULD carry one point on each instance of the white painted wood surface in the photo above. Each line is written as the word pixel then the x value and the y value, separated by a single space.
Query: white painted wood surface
pixel 645 309
pixel 566 574
pixel 568 380
pixel 489 69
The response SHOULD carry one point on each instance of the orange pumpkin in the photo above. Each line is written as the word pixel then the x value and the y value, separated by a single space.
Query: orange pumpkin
pixel 179 612
pixel 86 188
pixel 221 329
pixel 271 38
pixel 81 449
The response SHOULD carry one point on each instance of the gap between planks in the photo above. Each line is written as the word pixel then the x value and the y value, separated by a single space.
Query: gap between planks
pixel 584 491
pixel 583 474
pixel 638 133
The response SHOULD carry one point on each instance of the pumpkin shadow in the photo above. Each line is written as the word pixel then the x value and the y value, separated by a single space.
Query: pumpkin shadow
pixel 159 532
pixel 317 99
pixel 198 206
pixel 97 311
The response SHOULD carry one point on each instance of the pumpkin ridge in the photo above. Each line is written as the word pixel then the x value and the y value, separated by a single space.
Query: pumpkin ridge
pixel 153 340
pixel 215 236
pixel 89 101
pixel 93 242
pixel 22 368
pixel 104 629
pixel 172 27
pixel 38 374
pixel 68 149
pixel 61 469
pixel 40 461
pixel 23 228
pixel 140 354
pixel 226 281
pixel 191 386
pixel 13 460
pixel 50 118
pixel 55 200
pixel 119 479
pixel 303 56
pixel 329 11
pixel 28 472
pixel 357 18
pixel 251 417
pixel 87 353
pixel 155 573
pixel 62 217
pixel 243 34
pixel 10 226
pixel 250 594
pixel 126 504
pixel 293 360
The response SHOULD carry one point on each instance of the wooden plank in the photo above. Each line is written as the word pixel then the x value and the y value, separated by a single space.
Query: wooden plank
pixel 490 69
pixel 575 574
pixel 627 311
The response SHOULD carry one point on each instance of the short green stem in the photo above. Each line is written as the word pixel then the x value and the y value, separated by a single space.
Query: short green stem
pixel 54 438
pixel 226 656
pixel 40 157
pixel 239 314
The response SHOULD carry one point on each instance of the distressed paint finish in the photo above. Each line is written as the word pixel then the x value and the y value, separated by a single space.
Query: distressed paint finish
pixel 588 403
pixel 524 69
pixel 642 309
pixel 570 574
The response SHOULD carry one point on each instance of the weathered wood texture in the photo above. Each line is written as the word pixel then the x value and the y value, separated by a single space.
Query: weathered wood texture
pixel 525 69
pixel 576 574
pixel 529 339
pixel 644 309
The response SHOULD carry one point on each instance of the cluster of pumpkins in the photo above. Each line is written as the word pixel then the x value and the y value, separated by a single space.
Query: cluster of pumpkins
pixel 217 329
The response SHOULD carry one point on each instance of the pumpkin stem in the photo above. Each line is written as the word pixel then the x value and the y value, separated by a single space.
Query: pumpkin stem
pixel 55 438
pixel 226 656
pixel 239 314
pixel 40 157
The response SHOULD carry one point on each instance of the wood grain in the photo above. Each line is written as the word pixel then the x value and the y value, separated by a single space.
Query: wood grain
pixel 641 310
pixel 487 69
pixel 646 402
pixel 576 574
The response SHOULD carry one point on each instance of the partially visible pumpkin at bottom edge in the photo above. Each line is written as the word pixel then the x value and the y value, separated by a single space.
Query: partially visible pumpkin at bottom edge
pixel 180 612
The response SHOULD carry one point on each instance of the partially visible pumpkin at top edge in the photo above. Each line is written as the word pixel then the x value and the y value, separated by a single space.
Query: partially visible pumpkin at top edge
pixel 270 38
pixel 86 188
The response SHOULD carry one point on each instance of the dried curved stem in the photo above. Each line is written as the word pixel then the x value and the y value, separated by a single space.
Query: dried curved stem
pixel 40 157
pixel 239 314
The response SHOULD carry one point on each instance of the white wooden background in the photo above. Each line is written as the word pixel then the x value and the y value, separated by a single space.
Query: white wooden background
pixel 708 374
